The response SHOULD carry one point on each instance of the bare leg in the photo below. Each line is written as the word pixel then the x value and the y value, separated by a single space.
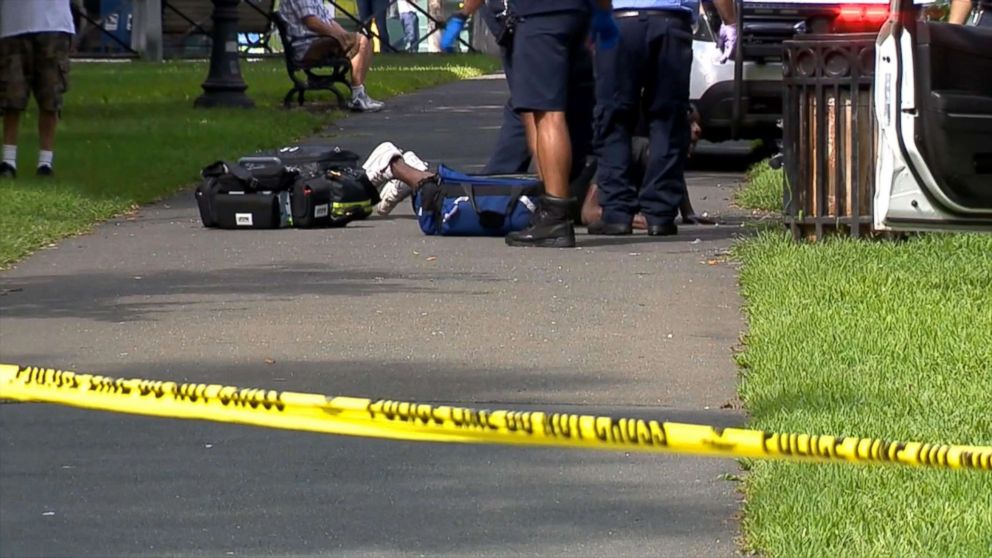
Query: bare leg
pixel 554 151
pixel 11 124
pixel 551 225
pixel 361 61
pixel 47 121
pixel 528 119
pixel 407 174
pixel 593 212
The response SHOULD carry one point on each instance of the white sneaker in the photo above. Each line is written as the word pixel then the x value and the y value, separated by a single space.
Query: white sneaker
pixel 411 159
pixel 396 191
pixel 392 193
pixel 364 103
pixel 377 165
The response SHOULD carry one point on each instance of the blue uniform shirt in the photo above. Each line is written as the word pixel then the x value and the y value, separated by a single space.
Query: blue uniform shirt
pixel 690 6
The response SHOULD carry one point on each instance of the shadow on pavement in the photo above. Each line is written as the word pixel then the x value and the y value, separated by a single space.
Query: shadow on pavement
pixel 98 296
pixel 688 234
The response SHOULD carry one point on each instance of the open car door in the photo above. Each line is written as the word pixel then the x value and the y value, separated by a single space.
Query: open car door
pixel 933 101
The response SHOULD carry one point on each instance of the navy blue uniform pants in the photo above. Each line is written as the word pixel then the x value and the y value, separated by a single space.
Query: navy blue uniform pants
pixel 651 64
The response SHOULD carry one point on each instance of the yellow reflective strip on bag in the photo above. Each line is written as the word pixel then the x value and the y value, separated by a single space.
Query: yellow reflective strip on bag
pixel 404 420
pixel 339 209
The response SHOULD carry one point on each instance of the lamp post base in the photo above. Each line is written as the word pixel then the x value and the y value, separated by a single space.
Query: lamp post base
pixel 224 86
pixel 221 98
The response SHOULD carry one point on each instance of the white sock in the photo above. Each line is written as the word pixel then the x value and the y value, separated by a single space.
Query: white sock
pixel 10 155
pixel 45 158
pixel 357 91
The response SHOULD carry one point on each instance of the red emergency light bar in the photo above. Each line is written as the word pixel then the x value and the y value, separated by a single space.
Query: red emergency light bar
pixel 861 16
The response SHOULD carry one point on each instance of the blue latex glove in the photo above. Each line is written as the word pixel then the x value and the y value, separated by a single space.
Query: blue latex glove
pixel 727 41
pixel 452 28
pixel 605 32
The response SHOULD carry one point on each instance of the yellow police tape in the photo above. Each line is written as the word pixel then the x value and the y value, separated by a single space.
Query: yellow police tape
pixel 401 420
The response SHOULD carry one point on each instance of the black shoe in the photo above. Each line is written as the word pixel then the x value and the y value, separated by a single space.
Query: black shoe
pixel 7 170
pixel 668 229
pixel 611 229
pixel 551 226
pixel 46 171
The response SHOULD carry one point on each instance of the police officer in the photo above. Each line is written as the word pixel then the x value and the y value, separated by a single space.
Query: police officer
pixel 512 154
pixel 550 38
pixel 653 63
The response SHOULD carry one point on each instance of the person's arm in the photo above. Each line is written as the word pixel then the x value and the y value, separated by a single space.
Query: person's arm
pixel 960 10
pixel 456 22
pixel 726 10
pixel 469 7
pixel 324 28
pixel 727 40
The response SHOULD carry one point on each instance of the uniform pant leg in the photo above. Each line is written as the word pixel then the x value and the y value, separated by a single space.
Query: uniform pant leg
pixel 411 31
pixel 364 9
pixel 667 93
pixel 380 7
pixel 512 154
pixel 618 86
pixel 579 114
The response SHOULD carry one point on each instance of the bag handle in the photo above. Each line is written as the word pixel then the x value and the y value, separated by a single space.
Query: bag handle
pixel 241 173
pixel 515 193
pixel 237 171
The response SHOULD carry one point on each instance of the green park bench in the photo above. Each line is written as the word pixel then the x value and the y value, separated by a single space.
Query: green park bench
pixel 305 78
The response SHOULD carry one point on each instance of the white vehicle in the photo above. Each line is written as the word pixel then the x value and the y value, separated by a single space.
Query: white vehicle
pixel 742 99
pixel 933 101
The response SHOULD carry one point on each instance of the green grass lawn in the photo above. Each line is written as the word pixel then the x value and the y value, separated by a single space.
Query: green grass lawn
pixel 764 190
pixel 868 338
pixel 130 135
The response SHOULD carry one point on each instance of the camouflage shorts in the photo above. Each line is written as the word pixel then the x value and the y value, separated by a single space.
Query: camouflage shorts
pixel 325 48
pixel 34 63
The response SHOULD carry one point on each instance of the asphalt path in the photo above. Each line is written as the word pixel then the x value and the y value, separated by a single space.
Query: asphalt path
pixel 632 326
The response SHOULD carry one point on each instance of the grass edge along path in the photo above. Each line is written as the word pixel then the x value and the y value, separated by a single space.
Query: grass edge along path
pixel 130 135
pixel 867 338
pixel 763 190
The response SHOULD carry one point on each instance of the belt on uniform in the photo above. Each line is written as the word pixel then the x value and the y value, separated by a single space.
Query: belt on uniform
pixel 673 14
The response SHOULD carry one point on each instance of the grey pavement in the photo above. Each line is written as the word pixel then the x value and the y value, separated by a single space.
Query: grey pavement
pixel 620 326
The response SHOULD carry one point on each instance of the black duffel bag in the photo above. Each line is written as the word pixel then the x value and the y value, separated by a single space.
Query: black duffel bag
pixel 234 197
pixel 333 200
pixel 308 160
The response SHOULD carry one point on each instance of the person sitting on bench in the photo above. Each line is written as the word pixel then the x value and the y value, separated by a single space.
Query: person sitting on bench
pixel 317 38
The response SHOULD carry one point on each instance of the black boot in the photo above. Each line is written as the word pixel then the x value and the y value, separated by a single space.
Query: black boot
pixel 551 226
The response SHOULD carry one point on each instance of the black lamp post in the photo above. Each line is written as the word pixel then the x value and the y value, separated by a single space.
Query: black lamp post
pixel 224 86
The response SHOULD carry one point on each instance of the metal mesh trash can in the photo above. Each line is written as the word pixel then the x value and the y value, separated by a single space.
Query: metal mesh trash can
pixel 829 134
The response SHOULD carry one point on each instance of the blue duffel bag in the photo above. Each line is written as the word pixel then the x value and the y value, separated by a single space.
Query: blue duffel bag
pixel 458 204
